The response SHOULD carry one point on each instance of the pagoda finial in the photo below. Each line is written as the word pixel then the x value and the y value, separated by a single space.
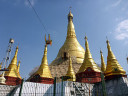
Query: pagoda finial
pixel 113 67
pixel 14 60
pixel 88 60
pixel 103 66
pixel 44 70
pixel 70 29
pixel 49 41
pixel 70 72
pixel 88 53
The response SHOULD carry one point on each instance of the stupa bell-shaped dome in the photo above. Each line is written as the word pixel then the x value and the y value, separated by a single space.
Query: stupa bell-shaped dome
pixel 71 45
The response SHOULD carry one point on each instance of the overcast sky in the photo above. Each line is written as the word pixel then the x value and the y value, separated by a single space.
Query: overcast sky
pixel 95 18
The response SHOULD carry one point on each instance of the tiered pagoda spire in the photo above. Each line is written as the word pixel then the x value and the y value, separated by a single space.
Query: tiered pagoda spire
pixel 70 72
pixel 43 74
pixel 44 70
pixel 88 60
pixel 12 76
pixel 103 66
pixel 113 67
pixel 89 71
pixel 18 68
pixel 13 66
pixel 71 45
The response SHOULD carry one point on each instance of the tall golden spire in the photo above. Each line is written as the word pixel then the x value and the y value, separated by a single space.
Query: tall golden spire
pixel 113 67
pixel 88 60
pixel 13 66
pixel 70 29
pixel 103 66
pixel 18 68
pixel 70 71
pixel 44 70
pixel 71 45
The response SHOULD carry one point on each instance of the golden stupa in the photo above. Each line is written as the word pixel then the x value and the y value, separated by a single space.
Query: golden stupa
pixel 13 67
pixel 70 72
pixel 44 70
pixel 113 67
pixel 88 60
pixel 18 69
pixel 103 66
pixel 71 47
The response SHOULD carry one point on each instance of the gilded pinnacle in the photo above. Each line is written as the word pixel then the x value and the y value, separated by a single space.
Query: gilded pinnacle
pixel 13 66
pixel 103 66
pixel 70 71
pixel 88 60
pixel 44 70
pixel 113 67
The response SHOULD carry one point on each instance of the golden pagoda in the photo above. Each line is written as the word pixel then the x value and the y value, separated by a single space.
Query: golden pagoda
pixel 89 71
pixel 43 74
pixel 88 60
pixel 103 66
pixel 70 72
pixel 11 76
pixel 113 67
pixel 13 66
pixel 18 68
pixel 71 45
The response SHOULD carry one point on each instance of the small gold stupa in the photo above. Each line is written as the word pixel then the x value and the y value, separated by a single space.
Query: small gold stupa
pixel 18 69
pixel 113 67
pixel 12 76
pixel 89 71
pixel 44 70
pixel 88 60
pixel 70 72
pixel 103 66
pixel 43 74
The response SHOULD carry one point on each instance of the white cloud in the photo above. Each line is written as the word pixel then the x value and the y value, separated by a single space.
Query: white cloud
pixel 121 32
pixel 116 3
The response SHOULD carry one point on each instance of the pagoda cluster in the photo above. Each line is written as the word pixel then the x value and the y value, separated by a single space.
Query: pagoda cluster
pixel 88 72
pixel 11 76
